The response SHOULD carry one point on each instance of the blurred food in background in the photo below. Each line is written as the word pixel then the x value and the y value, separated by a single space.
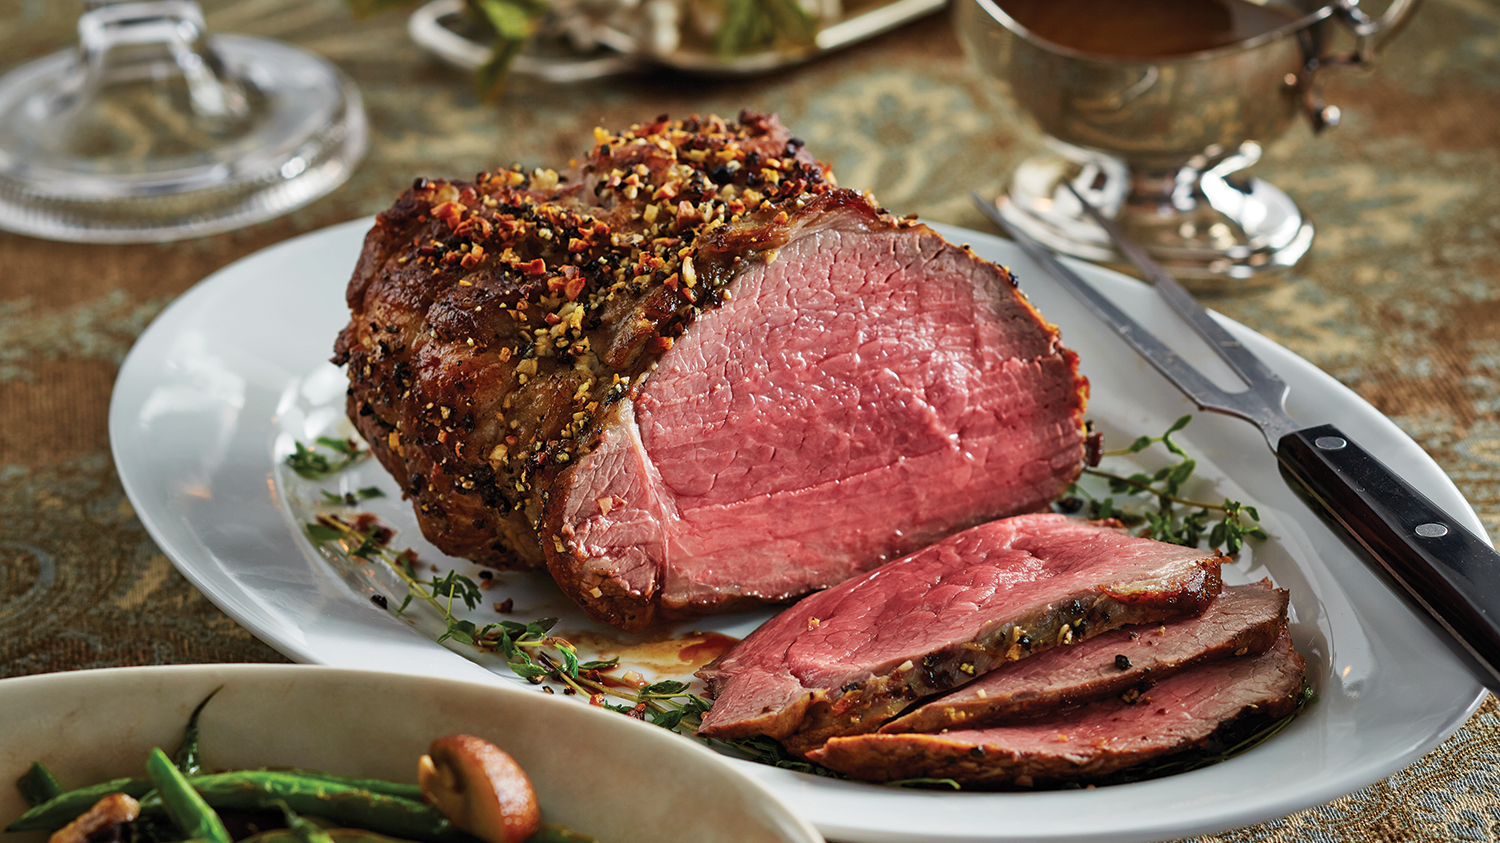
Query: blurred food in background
pixel 574 40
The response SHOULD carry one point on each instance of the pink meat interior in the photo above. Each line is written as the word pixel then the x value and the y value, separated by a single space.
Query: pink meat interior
pixel 860 396
pixel 944 596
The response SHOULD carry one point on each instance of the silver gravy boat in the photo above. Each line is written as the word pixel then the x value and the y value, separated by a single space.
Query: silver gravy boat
pixel 1159 143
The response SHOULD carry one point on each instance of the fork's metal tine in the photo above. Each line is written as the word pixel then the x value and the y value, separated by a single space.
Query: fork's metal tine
pixel 1250 368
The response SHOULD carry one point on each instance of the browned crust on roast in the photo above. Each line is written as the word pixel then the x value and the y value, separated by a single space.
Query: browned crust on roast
pixel 456 279
pixel 499 326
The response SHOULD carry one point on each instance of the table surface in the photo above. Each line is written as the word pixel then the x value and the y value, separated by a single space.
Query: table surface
pixel 1399 299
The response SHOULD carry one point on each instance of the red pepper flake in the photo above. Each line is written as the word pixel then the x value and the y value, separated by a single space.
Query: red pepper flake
pixel 475 223
pixel 575 245
pixel 533 267
pixel 472 259
pixel 449 212
pixel 574 288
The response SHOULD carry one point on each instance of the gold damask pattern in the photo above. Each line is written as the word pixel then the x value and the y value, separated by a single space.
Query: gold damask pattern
pixel 1400 300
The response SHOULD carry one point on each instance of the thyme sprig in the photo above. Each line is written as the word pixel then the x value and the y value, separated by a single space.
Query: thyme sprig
pixel 315 465
pixel 529 649
pixel 1167 522
pixel 523 645
pixel 352 498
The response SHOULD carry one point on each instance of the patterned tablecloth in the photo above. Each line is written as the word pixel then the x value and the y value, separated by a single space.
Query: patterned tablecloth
pixel 1399 299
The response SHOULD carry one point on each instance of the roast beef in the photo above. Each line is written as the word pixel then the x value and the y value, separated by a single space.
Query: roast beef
pixel 1243 620
pixel 845 660
pixel 1093 739
pixel 691 374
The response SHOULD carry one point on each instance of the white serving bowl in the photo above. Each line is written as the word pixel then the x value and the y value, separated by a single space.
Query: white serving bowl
pixel 597 772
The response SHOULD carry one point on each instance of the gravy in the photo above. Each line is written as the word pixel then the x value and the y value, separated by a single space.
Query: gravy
pixel 1146 28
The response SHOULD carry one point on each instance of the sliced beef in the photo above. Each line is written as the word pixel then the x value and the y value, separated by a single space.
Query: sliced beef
pixel 691 374
pixel 1090 740
pixel 845 660
pixel 869 391
pixel 1243 620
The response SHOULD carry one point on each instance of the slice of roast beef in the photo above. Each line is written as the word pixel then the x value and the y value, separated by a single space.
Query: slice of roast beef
pixel 845 660
pixel 1090 740
pixel 1243 620
pixel 691 374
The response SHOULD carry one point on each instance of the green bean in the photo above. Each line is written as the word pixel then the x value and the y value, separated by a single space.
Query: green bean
pixel 405 791
pixel 186 757
pixel 37 784
pixel 337 835
pixel 189 812
pixel 329 799
pixel 549 833
pixel 302 828
pixel 52 807
pixel 64 808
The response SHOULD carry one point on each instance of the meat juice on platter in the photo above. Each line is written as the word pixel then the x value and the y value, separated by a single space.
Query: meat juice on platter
pixel 691 375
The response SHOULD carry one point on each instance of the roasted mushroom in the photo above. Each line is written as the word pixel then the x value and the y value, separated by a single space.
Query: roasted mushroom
pixel 113 810
pixel 479 788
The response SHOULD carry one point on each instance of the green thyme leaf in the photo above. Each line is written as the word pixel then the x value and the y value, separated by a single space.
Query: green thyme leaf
pixel 1174 519
pixel 347 447
pixel 667 687
pixel 454 584
pixel 309 463
pixel 320 533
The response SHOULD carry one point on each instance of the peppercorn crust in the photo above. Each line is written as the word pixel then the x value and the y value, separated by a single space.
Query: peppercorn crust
pixel 497 324
pixel 504 331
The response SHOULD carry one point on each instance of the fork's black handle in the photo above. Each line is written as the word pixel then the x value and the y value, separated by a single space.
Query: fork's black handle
pixel 1448 570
